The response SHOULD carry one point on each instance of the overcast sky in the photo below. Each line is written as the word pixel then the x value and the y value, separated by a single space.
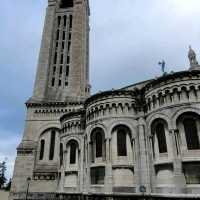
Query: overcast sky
pixel 128 39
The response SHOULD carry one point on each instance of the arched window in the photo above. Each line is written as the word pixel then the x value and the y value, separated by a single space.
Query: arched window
pixel 73 148
pixel 158 130
pixel 121 142
pixel 97 143
pixel 189 126
pixel 160 134
pixel 66 4
pixel 191 133
pixel 42 144
pixel 52 145
pixel 61 154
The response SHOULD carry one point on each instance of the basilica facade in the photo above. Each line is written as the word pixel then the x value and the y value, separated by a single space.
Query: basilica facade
pixel 139 141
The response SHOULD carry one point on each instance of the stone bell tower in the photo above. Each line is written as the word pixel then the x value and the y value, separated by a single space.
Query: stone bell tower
pixel 61 86
pixel 63 66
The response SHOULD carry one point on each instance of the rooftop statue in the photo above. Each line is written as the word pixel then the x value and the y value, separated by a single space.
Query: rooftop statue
pixel 192 58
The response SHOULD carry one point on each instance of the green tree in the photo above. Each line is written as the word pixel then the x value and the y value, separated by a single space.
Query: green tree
pixel 8 185
pixel 2 174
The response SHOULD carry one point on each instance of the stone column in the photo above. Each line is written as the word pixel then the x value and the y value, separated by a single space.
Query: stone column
pixel 144 179
pixel 108 174
pixel 179 179
pixel 88 165
pixel 192 95
pixel 176 97
pixel 133 149
pixel 157 103
pixel 80 166
pixel 151 162
pixel 184 96
pixel 198 93
pixel 64 168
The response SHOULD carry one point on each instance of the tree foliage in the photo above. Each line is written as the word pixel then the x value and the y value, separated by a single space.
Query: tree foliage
pixel 8 185
pixel 2 174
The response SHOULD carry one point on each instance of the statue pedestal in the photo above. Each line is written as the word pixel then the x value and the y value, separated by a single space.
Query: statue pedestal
pixel 194 68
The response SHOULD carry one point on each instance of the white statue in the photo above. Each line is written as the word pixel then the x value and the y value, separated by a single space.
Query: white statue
pixel 192 57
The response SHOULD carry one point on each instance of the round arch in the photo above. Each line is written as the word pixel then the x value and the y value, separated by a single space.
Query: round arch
pixel 157 121
pixel 133 130
pixel 97 129
pixel 72 138
pixel 178 113
pixel 122 143
pixel 188 126
pixel 128 130
pixel 47 127
pixel 92 128
pixel 159 130
pixel 156 116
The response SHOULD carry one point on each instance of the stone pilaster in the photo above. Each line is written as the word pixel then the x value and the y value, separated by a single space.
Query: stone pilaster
pixel 143 157
pixel 108 175
pixel 151 162
pixel 179 178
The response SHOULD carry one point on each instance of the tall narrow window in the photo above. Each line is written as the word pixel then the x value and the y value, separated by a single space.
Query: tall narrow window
pixel 61 154
pixel 59 83
pixel 69 45
pixel 65 20
pixel 57 35
pixel 70 36
pixel 55 58
pixel 160 134
pixel 53 82
pixel 63 35
pixel 70 21
pixel 67 70
pixel 92 151
pixel 73 147
pixel 191 133
pixel 98 147
pixel 99 144
pixel 52 145
pixel 68 59
pixel 42 143
pixel 59 20
pixel 121 142
pixel 54 70
pixel 61 69
pixel 63 45
pixel 61 59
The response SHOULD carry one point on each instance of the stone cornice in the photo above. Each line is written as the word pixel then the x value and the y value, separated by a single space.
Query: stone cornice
pixel 53 104
pixel 111 93
pixel 72 114
pixel 173 76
